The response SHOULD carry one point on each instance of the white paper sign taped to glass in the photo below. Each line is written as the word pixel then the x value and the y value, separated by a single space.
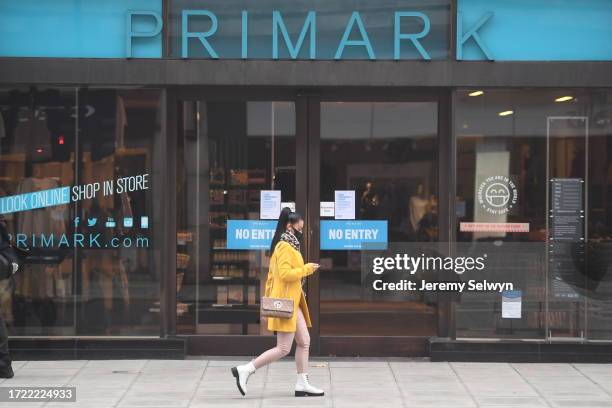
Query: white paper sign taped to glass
pixel 346 235
pixel 290 205
pixel 269 204
pixel 327 209
pixel 512 301
pixel 250 234
pixel 345 204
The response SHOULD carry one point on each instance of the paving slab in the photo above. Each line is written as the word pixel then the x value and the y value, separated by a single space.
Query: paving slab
pixel 353 383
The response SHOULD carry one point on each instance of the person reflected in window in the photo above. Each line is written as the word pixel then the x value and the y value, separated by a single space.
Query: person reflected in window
pixel 6 369
pixel 287 269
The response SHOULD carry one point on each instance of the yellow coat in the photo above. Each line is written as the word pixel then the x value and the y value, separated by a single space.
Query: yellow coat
pixel 285 281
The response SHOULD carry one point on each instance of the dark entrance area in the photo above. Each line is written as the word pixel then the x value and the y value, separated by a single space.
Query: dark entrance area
pixel 384 146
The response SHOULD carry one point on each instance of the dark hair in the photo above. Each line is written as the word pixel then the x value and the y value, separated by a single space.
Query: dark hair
pixel 286 217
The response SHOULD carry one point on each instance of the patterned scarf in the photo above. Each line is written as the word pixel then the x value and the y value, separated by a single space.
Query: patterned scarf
pixel 289 238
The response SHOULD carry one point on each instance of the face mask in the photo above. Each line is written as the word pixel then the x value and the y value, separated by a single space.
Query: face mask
pixel 298 234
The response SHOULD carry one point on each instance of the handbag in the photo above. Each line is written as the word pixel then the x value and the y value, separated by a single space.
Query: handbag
pixel 277 307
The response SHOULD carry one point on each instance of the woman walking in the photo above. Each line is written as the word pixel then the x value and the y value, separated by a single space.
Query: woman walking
pixel 285 275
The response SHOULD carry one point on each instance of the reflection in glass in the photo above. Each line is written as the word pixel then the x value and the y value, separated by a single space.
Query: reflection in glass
pixel 228 153
pixel 84 277
pixel 118 282
pixel 37 142
pixel 387 153
pixel 546 140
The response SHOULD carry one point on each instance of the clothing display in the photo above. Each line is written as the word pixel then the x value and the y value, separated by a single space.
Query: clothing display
pixel 31 135
pixel 99 272
pixel 126 205
pixel 38 281
pixel 104 271
pixel 40 131
pixel 369 203
pixel 418 208
pixel 48 220
pixel 121 122
pixel 99 123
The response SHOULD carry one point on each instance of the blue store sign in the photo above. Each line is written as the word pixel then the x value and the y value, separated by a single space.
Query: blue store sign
pixel 536 30
pixel 335 234
pixel 221 29
pixel 250 234
pixel 81 28
pixel 308 29
pixel 357 234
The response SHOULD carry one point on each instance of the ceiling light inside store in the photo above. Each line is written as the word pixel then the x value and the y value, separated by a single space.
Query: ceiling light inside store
pixel 476 93
pixel 564 98
pixel 506 113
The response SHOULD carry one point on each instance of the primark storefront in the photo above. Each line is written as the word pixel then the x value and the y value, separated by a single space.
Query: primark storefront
pixel 146 146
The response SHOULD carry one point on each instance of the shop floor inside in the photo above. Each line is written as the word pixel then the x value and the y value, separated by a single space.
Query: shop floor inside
pixel 207 382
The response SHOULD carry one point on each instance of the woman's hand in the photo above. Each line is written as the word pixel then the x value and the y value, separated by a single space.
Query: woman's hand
pixel 314 266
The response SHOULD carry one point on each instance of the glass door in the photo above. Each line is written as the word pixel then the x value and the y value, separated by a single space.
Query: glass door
pixel 378 156
pixel 375 168
pixel 231 152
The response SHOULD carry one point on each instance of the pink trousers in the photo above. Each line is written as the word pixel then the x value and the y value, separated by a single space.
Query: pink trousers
pixel 284 341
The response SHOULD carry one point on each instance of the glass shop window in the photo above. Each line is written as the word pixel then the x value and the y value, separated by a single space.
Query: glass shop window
pixel 534 164
pixel 228 153
pixel 91 271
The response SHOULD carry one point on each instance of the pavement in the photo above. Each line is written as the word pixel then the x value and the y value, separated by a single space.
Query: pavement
pixel 348 383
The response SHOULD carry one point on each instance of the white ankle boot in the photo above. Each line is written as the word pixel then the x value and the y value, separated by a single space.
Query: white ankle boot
pixel 242 374
pixel 304 389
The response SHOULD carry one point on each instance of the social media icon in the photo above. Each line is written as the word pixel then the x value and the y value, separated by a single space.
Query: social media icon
pixel 110 222
pixel 144 222
pixel 92 222
pixel 77 221
pixel 128 222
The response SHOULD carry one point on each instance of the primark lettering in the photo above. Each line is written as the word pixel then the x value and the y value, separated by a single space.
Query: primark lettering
pixel 354 33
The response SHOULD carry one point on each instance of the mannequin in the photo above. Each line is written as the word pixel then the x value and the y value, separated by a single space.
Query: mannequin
pixel 103 270
pixel 418 207
pixel 369 202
